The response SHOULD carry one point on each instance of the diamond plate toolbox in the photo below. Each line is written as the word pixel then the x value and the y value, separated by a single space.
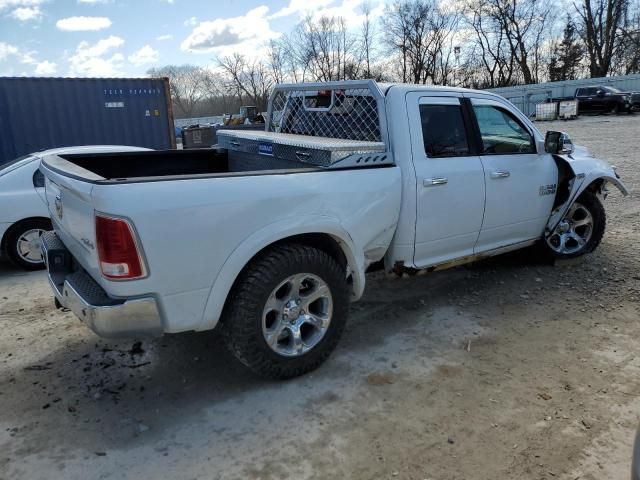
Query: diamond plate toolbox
pixel 317 151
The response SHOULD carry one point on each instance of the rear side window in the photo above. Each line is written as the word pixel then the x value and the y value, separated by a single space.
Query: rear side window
pixel 501 133
pixel 443 131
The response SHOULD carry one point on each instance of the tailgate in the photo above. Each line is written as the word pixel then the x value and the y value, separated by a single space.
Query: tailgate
pixel 72 212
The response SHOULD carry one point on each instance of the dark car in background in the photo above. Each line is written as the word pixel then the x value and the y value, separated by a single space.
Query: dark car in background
pixel 602 99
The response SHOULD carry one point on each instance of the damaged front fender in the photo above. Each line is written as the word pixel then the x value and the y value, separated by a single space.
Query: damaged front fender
pixel 589 173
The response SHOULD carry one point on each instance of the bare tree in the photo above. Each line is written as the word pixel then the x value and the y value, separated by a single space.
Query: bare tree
pixel 368 37
pixel 185 83
pixel 326 49
pixel 602 24
pixel 629 57
pixel 250 80
pixel 497 66
pixel 418 33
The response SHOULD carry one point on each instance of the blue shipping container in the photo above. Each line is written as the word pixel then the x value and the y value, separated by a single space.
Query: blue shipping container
pixel 41 113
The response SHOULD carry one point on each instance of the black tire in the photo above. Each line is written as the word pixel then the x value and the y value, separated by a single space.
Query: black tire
pixel 592 203
pixel 13 235
pixel 242 316
pixel 615 109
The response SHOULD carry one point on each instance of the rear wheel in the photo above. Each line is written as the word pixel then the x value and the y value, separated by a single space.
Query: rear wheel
pixel 23 245
pixel 287 311
pixel 581 229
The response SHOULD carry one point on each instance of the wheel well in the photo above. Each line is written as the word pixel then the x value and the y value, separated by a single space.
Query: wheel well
pixel 595 186
pixel 565 174
pixel 321 241
pixel 17 224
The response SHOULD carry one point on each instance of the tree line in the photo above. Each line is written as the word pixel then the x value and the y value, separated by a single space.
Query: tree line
pixel 468 43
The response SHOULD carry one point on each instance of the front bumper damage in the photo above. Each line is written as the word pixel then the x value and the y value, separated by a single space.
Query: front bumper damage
pixel 106 316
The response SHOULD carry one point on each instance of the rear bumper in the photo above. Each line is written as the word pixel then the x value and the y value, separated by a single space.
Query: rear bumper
pixel 106 316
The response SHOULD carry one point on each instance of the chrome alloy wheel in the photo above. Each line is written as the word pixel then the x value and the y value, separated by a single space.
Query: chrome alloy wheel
pixel 30 246
pixel 573 232
pixel 297 314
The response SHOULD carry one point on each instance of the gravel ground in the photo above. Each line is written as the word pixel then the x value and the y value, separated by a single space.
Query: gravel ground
pixel 506 369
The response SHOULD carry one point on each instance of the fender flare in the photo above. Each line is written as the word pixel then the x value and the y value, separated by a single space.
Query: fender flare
pixel 607 179
pixel 585 182
pixel 268 235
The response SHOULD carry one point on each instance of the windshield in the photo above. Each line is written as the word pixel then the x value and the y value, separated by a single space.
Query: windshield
pixel 612 90
pixel 13 163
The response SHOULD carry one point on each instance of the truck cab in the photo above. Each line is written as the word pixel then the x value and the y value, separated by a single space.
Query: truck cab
pixel 472 153
pixel 602 99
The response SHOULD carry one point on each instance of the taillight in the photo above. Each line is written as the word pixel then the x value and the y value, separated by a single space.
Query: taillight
pixel 118 252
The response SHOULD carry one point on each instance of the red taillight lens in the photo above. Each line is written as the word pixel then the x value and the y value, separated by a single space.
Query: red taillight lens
pixel 117 250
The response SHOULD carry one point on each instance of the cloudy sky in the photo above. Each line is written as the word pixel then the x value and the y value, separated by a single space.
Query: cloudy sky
pixel 83 38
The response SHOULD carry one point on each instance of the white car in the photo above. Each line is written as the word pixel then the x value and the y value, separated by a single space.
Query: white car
pixel 271 234
pixel 24 216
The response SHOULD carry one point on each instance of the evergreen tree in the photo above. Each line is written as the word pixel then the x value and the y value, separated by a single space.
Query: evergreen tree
pixel 566 55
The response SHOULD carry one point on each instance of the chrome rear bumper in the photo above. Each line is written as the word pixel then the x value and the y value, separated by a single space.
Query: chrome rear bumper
pixel 106 316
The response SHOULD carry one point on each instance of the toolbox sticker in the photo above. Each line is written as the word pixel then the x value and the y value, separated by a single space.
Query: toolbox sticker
pixel 265 148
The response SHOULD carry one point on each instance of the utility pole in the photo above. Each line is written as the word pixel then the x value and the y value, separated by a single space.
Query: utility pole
pixel 456 53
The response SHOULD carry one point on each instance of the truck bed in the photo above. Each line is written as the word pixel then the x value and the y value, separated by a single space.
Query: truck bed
pixel 167 164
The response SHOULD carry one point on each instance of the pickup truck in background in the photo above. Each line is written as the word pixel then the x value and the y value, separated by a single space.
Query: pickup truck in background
pixel 603 99
pixel 270 235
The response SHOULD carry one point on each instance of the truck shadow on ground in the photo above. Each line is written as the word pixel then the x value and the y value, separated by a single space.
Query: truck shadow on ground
pixel 115 394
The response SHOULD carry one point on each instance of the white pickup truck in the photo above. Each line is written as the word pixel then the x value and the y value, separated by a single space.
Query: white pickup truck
pixel 270 235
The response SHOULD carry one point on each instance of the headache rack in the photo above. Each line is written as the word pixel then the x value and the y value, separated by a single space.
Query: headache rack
pixel 329 125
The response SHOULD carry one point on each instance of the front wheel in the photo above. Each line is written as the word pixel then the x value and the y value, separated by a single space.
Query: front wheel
pixel 287 311
pixel 581 229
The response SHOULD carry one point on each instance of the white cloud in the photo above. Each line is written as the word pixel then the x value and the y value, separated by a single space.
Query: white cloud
pixel 144 56
pixel 7 4
pixel 94 2
pixel 25 14
pixel 6 50
pixel 215 34
pixel 28 57
pixel 46 68
pixel 83 24
pixel 350 11
pixel 190 22
pixel 23 56
pixel 301 7
pixel 97 60
pixel 164 37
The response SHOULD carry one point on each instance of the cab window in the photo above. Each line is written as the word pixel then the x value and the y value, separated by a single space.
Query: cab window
pixel 443 131
pixel 501 132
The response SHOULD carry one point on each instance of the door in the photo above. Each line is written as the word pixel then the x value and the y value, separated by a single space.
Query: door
pixel 449 179
pixel 585 99
pixel 600 101
pixel 520 182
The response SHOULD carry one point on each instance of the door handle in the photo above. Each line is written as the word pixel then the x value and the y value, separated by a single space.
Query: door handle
pixel 431 182
pixel 504 174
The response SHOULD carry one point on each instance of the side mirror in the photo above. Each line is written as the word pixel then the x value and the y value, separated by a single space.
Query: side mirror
pixel 558 143
pixel 600 93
